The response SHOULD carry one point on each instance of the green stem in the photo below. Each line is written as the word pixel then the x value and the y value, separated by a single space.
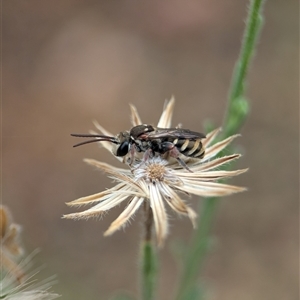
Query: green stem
pixel 149 268
pixel 236 113
pixel 252 30
pixel 238 106
pixel 197 251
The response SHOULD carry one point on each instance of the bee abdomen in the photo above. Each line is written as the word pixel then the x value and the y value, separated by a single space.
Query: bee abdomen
pixel 190 148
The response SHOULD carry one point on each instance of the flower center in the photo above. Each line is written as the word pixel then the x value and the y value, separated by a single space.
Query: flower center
pixel 155 172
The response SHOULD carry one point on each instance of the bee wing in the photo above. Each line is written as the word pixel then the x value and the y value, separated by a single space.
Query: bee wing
pixel 174 132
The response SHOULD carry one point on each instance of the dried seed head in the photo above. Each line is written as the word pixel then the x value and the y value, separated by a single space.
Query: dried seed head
pixel 10 234
pixel 160 182
pixel 155 172
pixel 16 280
pixel 3 222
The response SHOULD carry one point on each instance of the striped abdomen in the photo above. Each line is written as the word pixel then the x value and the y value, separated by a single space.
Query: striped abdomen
pixel 191 148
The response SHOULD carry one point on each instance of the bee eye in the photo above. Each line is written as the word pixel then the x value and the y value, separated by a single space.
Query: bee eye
pixel 123 149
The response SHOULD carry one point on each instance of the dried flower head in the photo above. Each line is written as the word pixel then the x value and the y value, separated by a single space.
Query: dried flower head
pixel 17 281
pixel 159 180
pixel 29 288
pixel 11 249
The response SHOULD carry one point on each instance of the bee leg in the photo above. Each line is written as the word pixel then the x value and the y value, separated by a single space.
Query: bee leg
pixel 174 152
pixel 183 164
pixel 132 154
pixel 146 156
pixel 148 153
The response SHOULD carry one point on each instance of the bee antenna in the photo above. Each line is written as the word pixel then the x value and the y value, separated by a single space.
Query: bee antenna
pixel 97 138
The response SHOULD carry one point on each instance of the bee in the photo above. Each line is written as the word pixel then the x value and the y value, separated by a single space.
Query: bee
pixel 151 141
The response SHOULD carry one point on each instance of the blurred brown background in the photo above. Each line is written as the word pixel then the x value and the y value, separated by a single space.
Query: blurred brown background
pixel 68 62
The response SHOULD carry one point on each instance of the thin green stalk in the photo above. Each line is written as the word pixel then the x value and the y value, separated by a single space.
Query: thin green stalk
pixel 238 106
pixel 197 251
pixel 236 113
pixel 149 261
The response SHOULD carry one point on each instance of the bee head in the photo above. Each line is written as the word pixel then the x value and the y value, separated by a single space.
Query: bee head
pixel 124 144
